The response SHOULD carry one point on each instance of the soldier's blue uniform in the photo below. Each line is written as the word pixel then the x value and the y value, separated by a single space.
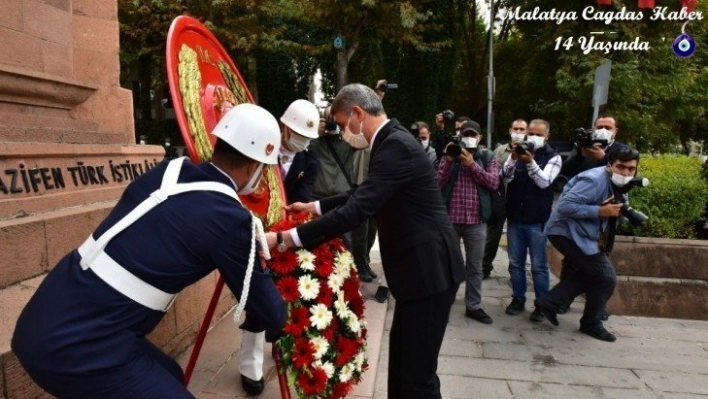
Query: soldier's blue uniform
pixel 79 337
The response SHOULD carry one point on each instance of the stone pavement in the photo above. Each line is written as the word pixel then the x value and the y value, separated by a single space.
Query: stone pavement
pixel 512 358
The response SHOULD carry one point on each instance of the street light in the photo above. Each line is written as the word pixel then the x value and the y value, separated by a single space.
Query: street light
pixel 490 78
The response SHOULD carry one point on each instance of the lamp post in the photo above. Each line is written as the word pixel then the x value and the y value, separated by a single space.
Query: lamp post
pixel 490 78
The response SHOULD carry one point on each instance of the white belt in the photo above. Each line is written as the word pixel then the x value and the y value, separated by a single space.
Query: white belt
pixel 124 281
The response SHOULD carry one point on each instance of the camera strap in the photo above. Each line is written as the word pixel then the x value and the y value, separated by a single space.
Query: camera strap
pixel 339 162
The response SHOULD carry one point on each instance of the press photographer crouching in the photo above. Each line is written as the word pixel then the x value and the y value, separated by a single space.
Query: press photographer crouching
pixel 582 228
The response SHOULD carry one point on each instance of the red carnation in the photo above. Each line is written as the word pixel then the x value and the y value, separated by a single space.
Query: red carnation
pixel 346 349
pixel 326 296
pixel 351 289
pixel 323 254
pixel 299 321
pixel 287 286
pixel 340 390
pixel 324 267
pixel 304 353
pixel 283 263
pixel 331 331
pixel 315 384
pixel 357 305
pixel 337 245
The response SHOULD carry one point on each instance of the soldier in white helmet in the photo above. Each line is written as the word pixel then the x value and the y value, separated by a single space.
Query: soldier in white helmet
pixel 299 168
pixel 82 334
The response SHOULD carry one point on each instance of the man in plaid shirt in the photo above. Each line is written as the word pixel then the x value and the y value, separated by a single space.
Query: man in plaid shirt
pixel 466 180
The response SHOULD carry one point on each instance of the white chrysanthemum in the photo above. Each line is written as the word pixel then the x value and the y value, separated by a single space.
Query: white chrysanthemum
pixel 308 287
pixel 321 346
pixel 321 316
pixel 306 259
pixel 328 367
pixel 359 360
pixel 335 281
pixel 354 324
pixel 341 306
pixel 346 373
pixel 344 263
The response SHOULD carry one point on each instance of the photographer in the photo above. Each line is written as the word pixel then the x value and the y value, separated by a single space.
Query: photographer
pixel 587 154
pixel 580 228
pixel 444 122
pixel 422 132
pixel 593 154
pixel 467 173
pixel 528 174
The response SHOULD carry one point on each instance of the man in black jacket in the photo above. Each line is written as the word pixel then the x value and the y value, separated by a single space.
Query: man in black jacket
pixel 402 191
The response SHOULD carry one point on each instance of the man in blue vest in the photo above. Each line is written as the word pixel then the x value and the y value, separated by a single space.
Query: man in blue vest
pixel 82 334
pixel 528 173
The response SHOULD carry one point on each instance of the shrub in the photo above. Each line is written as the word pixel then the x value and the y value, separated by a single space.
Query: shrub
pixel 675 200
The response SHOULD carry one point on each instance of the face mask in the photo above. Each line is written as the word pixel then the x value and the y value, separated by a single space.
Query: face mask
pixel 517 137
pixel 425 142
pixel 619 180
pixel 603 134
pixel 470 142
pixel 298 143
pixel 537 141
pixel 361 126
pixel 253 182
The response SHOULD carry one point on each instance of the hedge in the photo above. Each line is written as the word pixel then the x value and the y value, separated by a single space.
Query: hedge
pixel 675 200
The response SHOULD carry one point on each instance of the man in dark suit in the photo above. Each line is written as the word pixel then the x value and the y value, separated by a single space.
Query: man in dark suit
pixel 402 191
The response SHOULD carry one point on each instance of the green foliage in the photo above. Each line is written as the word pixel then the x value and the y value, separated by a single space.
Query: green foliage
pixel 675 199
pixel 659 100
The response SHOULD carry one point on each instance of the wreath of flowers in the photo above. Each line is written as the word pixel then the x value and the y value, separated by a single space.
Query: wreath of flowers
pixel 323 348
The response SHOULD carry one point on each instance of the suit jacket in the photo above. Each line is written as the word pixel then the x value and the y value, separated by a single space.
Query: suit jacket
pixel 419 248
pixel 576 215
pixel 301 177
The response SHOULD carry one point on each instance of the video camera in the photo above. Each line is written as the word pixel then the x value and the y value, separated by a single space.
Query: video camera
pixel 455 149
pixel 330 125
pixel 586 138
pixel 384 86
pixel 524 146
pixel 634 216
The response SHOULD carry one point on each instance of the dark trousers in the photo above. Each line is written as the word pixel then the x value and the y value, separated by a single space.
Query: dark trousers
pixel 416 336
pixel 592 274
pixel 363 238
pixel 151 374
pixel 494 233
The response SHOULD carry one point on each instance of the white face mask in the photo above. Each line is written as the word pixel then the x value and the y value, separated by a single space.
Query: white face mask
pixel 603 134
pixel 470 142
pixel 517 137
pixel 298 143
pixel 250 187
pixel 620 180
pixel 537 141
pixel 425 142
pixel 361 127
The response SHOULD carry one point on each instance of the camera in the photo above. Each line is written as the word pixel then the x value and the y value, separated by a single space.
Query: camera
pixel 455 149
pixel 448 116
pixel 586 138
pixel 330 125
pixel 415 130
pixel 524 146
pixel 634 216
pixel 384 86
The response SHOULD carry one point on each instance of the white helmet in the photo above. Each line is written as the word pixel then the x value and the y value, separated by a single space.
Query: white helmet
pixel 303 118
pixel 252 131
